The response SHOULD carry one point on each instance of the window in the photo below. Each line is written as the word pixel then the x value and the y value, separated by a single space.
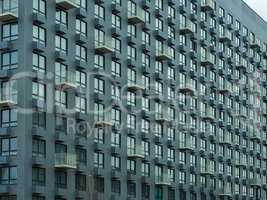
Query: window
pixel 61 44
pixel 38 176
pixel 62 17
pixel 9 91
pixel 131 121
pixel 80 182
pixel 81 53
pixel 39 6
pixel 99 85
pixel 99 62
pixel 115 140
pixel 116 44
pixel 39 62
pixel 116 68
pixel 61 98
pixel 38 148
pixel 39 118
pixel 81 156
pixel 131 52
pixel 9 60
pixel 116 116
pixel 80 104
pixel 116 186
pixel 99 135
pixel 80 78
pixel 10 32
pixel 38 91
pixel 116 21
pixel 39 34
pixel 99 11
pixel 60 73
pixel 99 160
pixel 9 117
pixel 8 146
pixel 61 179
pixel 8 175
pixel 81 27
pixel 115 162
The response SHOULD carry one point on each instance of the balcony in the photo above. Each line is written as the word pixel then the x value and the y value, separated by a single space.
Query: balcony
pixel 103 123
pixel 186 145
pixel 225 37
pixel 135 86
pixel 163 181
pixel 186 28
pixel 255 43
pixel 206 171
pixel 67 82
pixel 162 55
pixel 187 88
pixel 206 60
pixel 207 5
pixel 225 193
pixel 65 161
pixel 255 182
pixel 136 17
pixel 208 116
pixel 136 154
pixel 66 4
pixel 8 100
pixel 160 117
pixel 103 47
pixel 8 10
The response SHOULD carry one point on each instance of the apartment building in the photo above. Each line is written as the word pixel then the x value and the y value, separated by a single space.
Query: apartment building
pixel 132 100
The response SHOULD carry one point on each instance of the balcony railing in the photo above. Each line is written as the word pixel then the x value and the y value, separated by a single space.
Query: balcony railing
pixel 186 28
pixel 8 100
pixel 163 54
pixel 136 153
pixel 163 180
pixel 104 46
pixel 207 5
pixel 68 82
pixel 65 161
pixel 66 4
pixel 8 10
pixel 136 17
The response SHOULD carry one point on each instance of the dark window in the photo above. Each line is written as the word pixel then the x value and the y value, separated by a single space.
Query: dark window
pixel 99 184
pixel 10 60
pixel 8 146
pixel 116 186
pixel 81 182
pixel 39 118
pixel 61 179
pixel 38 176
pixel 8 175
pixel 38 148
pixel 9 118
pixel 9 32
pixel 39 6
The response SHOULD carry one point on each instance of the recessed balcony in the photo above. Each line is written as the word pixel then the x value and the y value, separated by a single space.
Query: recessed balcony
pixel 206 60
pixel 67 4
pixel 65 161
pixel 160 117
pixel 8 10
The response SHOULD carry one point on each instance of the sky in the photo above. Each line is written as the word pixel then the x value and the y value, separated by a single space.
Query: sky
pixel 260 6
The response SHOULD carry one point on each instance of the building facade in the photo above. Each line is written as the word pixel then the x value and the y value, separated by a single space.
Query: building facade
pixel 132 99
